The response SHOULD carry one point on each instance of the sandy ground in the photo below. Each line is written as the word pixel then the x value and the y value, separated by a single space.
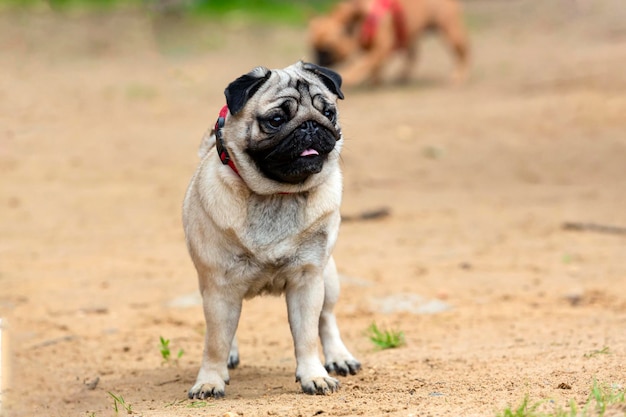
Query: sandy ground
pixel 100 119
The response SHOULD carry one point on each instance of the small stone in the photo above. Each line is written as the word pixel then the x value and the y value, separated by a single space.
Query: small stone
pixel 92 383
pixel 575 297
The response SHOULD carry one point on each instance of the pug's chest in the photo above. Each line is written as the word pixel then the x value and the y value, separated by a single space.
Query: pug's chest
pixel 269 270
pixel 279 246
pixel 272 222
pixel 259 273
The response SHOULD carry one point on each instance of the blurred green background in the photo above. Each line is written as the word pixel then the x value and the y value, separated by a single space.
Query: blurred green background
pixel 284 11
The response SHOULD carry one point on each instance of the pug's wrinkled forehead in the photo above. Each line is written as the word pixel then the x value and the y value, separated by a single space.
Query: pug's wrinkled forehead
pixel 297 81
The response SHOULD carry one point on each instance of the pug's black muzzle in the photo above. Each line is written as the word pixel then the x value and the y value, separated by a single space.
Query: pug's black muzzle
pixel 298 155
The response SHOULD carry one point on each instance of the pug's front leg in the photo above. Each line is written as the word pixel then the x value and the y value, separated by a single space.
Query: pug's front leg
pixel 221 313
pixel 338 358
pixel 304 304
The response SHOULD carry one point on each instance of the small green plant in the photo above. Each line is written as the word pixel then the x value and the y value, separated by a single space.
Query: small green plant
pixel 602 398
pixel 166 353
pixel 603 351
pixel 572 412
pixel 119 403
pixel 525 409
pixel 189 404
pixel 175 403
pixel 385 339
pixel 198 404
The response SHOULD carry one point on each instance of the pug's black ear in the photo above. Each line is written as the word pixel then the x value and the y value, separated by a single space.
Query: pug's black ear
pixel 239 91
pixel 330 78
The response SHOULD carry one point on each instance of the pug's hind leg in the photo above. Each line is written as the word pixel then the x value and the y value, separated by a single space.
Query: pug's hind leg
pixel 338 359
pixel 233 356
pixel 221 313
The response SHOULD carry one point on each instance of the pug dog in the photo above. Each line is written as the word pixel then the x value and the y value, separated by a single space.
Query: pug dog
pixel 261 216
pixel 363 35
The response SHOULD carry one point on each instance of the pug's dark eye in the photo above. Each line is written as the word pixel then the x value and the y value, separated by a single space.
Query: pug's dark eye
pixel 274 122
pixel 330 114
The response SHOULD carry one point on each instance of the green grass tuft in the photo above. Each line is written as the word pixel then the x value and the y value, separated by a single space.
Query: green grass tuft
pixel 120 403
pixel 601 399
pixel 603 351
pixel 605 396
pixel 525 409
pixel 166 353
pixel 385 339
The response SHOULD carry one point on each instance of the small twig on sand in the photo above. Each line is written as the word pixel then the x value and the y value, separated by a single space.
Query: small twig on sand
pixel 367 215
pixel 594 227
pixel 51 342
pixel 170 381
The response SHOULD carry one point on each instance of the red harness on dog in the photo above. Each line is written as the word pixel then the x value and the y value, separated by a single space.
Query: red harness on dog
pixel 373 18
pixel 219 143
pixel 219 140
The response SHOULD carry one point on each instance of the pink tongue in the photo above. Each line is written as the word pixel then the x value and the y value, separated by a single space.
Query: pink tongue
pixel 309 152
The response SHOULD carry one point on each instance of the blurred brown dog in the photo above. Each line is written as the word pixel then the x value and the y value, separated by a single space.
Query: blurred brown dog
pixel 378 28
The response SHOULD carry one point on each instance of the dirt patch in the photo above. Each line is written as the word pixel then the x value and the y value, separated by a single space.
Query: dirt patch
pixel 100 119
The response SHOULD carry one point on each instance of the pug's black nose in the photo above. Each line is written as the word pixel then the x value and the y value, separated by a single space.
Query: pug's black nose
pixel 310 127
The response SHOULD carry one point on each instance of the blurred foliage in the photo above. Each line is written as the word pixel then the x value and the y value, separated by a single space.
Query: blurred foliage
pixel 281 10
pixel 261 10
pixel 67 4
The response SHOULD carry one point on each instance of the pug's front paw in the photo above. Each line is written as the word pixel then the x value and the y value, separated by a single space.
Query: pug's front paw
pixel 344 367
pixel 205 389
pixel 321 385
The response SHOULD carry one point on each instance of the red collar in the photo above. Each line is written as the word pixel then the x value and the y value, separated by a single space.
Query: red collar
pixel 373 18
pixel 219 143
pixel 219 140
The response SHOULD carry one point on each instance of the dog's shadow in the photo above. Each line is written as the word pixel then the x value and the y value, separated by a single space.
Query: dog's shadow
pixel 168 385
pixel 249 381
